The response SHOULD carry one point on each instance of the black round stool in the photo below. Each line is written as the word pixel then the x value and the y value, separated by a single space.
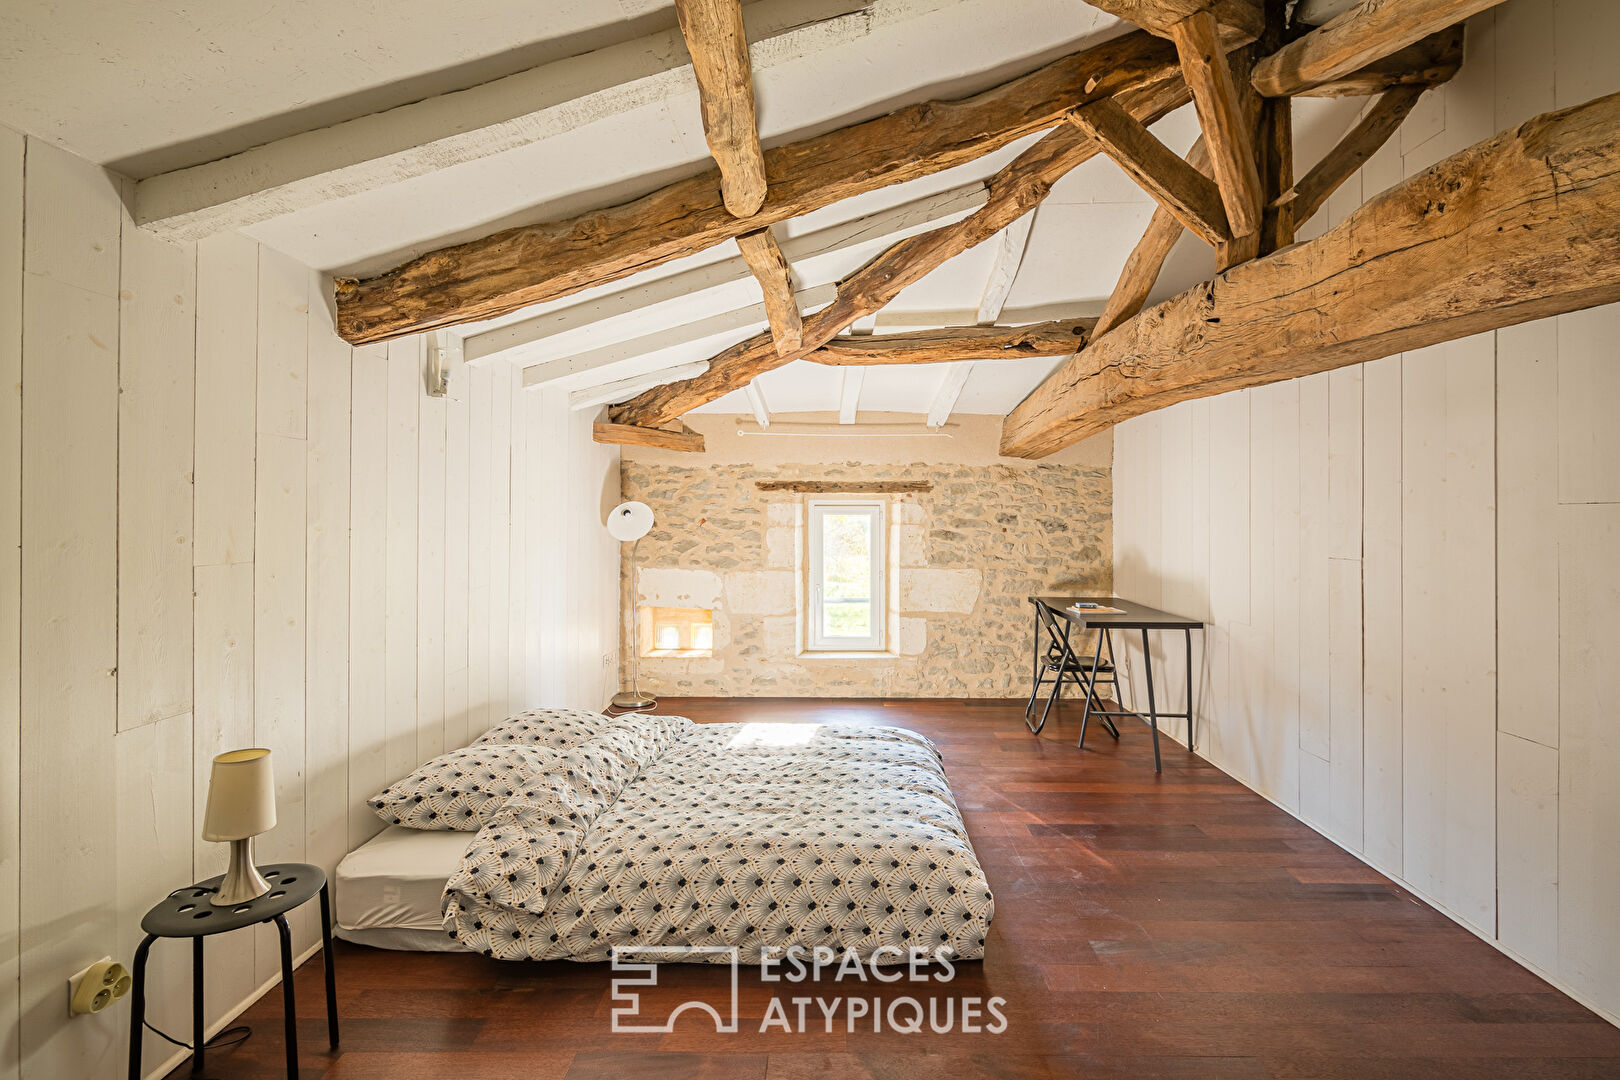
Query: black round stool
pixel 187 913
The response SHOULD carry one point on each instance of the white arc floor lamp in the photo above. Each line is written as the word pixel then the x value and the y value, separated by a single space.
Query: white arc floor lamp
pixel 628 523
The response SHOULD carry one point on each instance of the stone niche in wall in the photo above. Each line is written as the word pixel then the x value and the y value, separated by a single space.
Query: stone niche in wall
pixel 681 633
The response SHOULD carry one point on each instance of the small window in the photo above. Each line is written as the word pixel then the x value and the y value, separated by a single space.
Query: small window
pixel 847 543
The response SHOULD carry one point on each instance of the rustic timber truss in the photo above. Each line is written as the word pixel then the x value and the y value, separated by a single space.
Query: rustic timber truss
pixel 1516 228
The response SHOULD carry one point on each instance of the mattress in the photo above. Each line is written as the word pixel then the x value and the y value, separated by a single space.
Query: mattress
pixel 390 890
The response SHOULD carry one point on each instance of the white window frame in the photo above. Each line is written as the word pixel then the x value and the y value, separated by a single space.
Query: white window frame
pixel 815 641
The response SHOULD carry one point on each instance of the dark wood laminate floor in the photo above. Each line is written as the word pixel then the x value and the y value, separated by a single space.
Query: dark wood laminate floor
pixel 1170 926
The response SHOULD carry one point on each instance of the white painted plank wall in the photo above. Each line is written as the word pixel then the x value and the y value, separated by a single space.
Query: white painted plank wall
pixel 227 527
pixel 11 303
pixel 1440 529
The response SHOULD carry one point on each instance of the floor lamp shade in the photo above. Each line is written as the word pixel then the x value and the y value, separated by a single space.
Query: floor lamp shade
pixel 241 805
pixel 628 523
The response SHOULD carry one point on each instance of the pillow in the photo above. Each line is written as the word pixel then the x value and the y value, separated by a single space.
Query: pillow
pixel 460 791
pixel 560 729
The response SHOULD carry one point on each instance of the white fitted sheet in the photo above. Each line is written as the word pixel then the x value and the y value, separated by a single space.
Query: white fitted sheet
pixel 389 890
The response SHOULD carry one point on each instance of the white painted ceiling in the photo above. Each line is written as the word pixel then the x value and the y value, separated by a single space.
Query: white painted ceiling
pixel 145 86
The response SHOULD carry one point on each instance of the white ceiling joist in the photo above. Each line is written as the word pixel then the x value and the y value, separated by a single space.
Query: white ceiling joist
pixel 624 389
pixel 608 356
pixel 384 148
pixel 895 223
pixel 849 398
pixel 1003 273
pixel 950 390
pixel 756 402
pixel 1010 247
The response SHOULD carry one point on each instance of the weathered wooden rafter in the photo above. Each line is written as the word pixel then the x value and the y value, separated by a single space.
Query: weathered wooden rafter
pixel 1307 195
pixel 718 44
pixel 957 344
pixel 1241 20
pixel 1371 30
pixel 1228 128
pixel 683 439
pixel 533 263
pixel 1177 186
pixel 1147 258
pixel 1516 228
pixel 1012 193
pixel 1426 63
pixel 770 268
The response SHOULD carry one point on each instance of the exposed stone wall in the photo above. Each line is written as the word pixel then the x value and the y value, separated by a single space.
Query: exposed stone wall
pixel 964 557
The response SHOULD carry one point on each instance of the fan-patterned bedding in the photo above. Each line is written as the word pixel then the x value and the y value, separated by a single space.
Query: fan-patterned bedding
pixel 657 831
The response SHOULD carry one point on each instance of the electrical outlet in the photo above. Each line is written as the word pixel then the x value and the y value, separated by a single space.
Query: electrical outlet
pixel 97 986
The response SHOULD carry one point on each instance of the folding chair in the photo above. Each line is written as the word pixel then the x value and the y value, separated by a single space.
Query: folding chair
pixel 1060 664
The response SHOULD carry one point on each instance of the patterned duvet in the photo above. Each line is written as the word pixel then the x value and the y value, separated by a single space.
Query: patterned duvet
pixel 657 831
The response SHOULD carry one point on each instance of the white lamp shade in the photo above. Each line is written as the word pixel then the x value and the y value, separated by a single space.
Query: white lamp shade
pixel 630 521
pixel 241 796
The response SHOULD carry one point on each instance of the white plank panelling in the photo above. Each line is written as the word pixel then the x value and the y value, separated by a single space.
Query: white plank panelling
pixel 69 619
pixel 1588 383
pixel 226 394
pixel 368 588
pixel 1527 848
pixel 456 569
pixel 283 345
pixel 479 390
pixel 1589 753
pixel 430 578
pixel 1442 578
pixel 1382 647
pixel 198 503
pixel 326 605
pixel 156 380
pixel 74 217
pixel 404 372
pixel 12 149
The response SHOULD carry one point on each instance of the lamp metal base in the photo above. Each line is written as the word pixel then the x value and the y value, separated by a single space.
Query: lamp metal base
pixel 632 699
pixel 242 882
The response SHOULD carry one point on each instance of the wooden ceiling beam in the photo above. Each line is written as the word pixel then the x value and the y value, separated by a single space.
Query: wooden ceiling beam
pixel 1371 30
pixel 1308 194
pixel 1426 63
pixel 533 263
pixel 718 44
pixel 685 439
pixel 1241 21
pixel 1177 186
pixel 770 268
pixel 1146 260
pixel 1227 128
pixel 1013 192
pixel 1516 228
pixel 956 344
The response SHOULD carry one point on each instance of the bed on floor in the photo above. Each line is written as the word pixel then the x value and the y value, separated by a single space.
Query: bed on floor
pixel 561 834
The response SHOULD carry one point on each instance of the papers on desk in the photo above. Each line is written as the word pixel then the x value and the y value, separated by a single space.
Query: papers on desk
pixel 1095 609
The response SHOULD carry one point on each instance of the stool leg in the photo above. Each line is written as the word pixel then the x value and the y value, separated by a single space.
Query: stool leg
pixel 198 1041
pixel 331 974
pixel 287 1004
pixel 137 1008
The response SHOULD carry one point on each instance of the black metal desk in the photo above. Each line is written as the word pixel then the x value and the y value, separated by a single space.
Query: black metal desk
pixel 186 913
pixel 1136 617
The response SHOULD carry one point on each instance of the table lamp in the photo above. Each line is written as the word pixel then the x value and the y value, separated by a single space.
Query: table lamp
pixel 241 805
pixel 630 521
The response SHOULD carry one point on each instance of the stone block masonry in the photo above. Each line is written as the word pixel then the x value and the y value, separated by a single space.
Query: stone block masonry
pixel 962 559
